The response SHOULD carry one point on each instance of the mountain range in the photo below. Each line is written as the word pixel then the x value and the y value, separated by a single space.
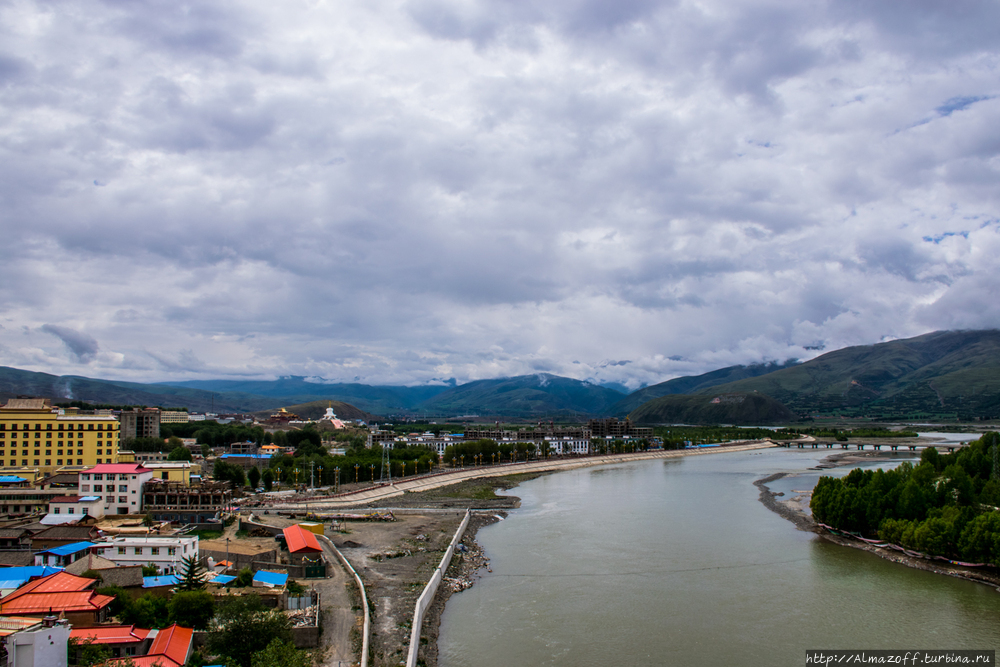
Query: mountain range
pixel 941 374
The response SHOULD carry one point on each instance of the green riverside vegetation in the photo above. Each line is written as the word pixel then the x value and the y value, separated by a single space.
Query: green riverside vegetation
pixel 947 505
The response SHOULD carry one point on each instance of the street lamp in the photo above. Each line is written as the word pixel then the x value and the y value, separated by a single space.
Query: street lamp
pixel 372 467
pixel 320 475
pixel 356 466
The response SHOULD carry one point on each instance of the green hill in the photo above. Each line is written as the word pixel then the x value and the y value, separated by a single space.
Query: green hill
pixel 691 384
pixel 316 409
pixel 945 374
pixel 541 395
pixel 742 409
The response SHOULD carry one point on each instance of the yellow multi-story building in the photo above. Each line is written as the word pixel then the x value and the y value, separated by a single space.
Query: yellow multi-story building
pixel 33 433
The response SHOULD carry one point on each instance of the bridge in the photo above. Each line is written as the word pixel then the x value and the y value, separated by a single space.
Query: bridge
pixel 812 443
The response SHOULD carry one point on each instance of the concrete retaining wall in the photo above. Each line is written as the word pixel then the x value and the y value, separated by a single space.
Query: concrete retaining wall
pixel 427 597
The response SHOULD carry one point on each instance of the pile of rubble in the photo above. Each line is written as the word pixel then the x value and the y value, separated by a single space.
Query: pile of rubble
pixel 306 617
pixel 466 563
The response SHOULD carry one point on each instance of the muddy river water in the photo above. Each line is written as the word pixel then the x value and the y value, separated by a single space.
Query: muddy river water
pixel 677 563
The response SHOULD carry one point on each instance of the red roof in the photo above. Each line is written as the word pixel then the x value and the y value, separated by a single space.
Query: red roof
pixel 60 582
pixel 118 468
pixel 171 648
pixel 109 634
pixel 300 540
pixel 57 592
pixel 41 603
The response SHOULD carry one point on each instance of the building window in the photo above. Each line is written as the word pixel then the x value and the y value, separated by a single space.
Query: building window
pixel 55 510
pixel 36 462
pixel 137 551
pixel 98 487
pixel 123 499
pixel 121 551
pixel 155 550
pixel 79 462
pixel 58 462
pixel 98 477
pixel 122 488
pixel 71 510
pixel 171 551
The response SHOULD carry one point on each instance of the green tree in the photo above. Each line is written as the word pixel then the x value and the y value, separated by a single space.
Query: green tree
pixel 181 453
pixel 191 575
pixel 268 479
pixel 246 627
pixel 121 598
pixel 192 609
pixel 150 570
pixel 87 652
pixel 244 578
pixel 280 654
pixel 254 477
pixel 148 611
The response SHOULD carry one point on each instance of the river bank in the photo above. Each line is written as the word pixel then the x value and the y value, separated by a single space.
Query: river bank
pixel 794 509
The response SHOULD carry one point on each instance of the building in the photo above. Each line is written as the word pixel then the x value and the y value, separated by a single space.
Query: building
pixel 119 485
pixel 170 648
pixel 140 423
pixel 77 506
pixel 65 555
pixel 556 440
pixel 60 593
pixel 173 417
pixel 165 552
pixel 378 437
pixel 614 429
pixel 174 501
pixel 34 642
pixel 57 536
pixel 175 471
pixel 33 433
pixel 120 640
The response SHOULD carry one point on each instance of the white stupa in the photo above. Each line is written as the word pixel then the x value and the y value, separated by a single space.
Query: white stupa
pixel 332 418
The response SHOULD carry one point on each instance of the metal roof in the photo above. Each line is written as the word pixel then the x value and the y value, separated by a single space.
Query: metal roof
pixel 223 579
pixel 165 580
pixel 110 634
pixel 11 479
pixel 300 540
pixel 271 578
pixel 68 549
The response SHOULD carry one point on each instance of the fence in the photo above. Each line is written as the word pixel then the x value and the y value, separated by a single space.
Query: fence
pixel 425 599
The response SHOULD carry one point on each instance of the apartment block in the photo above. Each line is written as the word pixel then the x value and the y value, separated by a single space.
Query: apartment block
pixel 33 433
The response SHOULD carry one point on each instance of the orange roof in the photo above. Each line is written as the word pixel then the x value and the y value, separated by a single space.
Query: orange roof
pixel 148 661
pixel 37 603
pixel 60 582
pixel 301 540
pixel 173 642
pixel 109 634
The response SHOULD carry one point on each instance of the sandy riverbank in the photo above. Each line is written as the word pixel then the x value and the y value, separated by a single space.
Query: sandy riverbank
pixel 796 510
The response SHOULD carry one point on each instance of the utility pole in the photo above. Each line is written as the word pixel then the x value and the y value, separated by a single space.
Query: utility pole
pixel 312 474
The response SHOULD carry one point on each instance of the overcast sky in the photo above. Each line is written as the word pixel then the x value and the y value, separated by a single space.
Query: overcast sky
pixel 408 191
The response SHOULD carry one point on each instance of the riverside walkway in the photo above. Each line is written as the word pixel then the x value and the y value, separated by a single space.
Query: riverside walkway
pixel 375 494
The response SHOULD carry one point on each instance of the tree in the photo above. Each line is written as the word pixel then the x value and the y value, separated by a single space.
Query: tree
pixel 244 578
pixel 87 652
pixel 181 453
pixel 246 627
pixel 192 609
pixel 227 472
pixel 254 477
pixel 280 654
pixel 150 570
pixel 268 479
pixel 147 611
pixel 191 574
pixel 121 598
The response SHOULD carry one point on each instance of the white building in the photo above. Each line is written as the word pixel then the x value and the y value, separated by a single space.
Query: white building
pixel 35 642
pixel 163 551
pixel 119 485
pixel 77 507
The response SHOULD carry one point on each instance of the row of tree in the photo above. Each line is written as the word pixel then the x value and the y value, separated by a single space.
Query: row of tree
pixel 947 505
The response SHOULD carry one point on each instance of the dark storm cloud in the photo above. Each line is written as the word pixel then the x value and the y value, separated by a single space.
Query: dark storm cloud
pixel 82 346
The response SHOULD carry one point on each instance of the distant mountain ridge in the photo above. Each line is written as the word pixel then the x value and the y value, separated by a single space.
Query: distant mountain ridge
pixel 941 374
pixel 742 409
pixel 690 384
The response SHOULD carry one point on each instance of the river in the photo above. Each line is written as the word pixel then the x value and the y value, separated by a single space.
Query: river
pixel 677 563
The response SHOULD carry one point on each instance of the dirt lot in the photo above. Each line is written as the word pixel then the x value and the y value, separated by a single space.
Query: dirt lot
pixel 396 558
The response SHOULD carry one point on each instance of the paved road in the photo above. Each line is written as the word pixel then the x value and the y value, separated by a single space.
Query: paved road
pixel 413 484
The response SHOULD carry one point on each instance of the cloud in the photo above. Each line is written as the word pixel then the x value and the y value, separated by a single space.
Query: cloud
pixel 407 190
pixel 80 345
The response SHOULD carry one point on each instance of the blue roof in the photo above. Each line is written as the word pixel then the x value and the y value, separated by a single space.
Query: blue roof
pixel 245 456
pixel 272 578
pixel 68 549
pixel 87 499
pixel 165 580
pixel 11 479
pixel 15 577
pixel 223 579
